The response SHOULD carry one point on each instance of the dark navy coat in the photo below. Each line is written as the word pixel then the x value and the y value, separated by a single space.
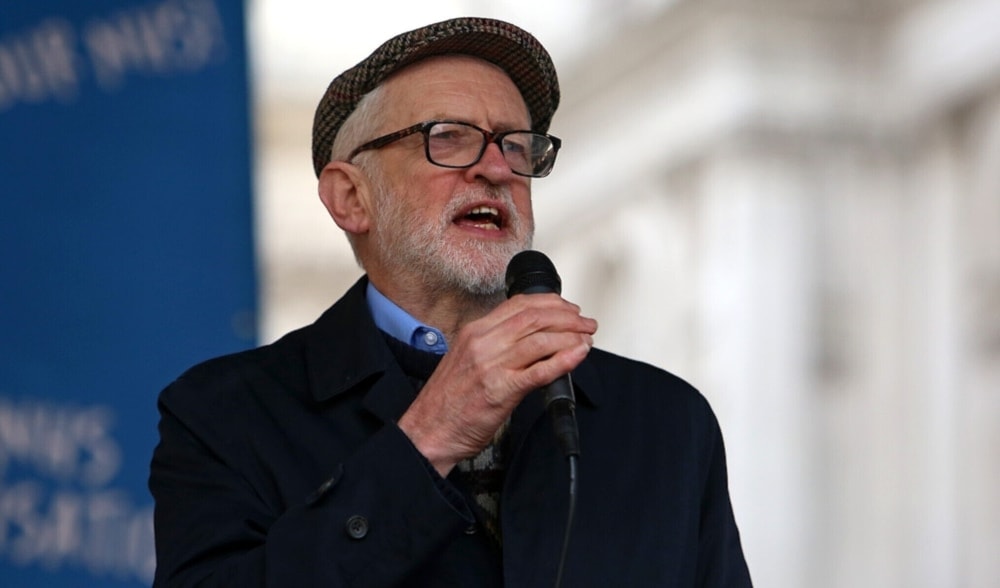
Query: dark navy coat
pixel 282 466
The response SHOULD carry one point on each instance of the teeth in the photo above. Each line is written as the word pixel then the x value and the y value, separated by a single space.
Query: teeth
pixel 493 214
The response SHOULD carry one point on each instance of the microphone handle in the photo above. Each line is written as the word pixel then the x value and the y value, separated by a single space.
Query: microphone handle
pixel 560 403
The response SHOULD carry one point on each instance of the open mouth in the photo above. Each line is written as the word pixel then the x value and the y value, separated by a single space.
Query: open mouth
pixel 482 217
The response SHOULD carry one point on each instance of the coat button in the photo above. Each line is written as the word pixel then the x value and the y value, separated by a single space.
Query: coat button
pixel 357 527
pixel 471 529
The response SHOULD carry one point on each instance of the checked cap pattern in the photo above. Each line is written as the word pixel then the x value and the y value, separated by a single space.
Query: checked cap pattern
pixel 512 49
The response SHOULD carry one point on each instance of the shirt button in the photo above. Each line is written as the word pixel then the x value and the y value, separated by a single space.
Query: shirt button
pixel 430 338
pixel 357 527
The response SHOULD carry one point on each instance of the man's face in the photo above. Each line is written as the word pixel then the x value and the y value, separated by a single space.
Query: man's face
pixel 453 230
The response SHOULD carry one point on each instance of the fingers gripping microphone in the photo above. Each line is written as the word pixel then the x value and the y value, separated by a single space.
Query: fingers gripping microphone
pixel 531 272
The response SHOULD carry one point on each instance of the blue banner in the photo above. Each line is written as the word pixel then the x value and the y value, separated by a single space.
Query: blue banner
pixel 126 255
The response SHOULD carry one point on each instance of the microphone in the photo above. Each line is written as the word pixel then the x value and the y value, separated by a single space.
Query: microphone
pixel 531 272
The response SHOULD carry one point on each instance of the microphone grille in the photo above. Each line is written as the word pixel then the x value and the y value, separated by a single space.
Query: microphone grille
pixel 531 272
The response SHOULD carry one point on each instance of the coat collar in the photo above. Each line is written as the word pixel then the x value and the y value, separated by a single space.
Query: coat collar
pixel 344 349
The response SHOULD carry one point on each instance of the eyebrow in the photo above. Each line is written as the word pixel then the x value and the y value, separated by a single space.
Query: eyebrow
pixel 498 128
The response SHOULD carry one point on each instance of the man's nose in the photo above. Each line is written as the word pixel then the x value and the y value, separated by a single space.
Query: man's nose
pixel 492 165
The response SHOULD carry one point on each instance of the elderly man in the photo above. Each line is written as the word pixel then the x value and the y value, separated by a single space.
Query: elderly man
pixel 399 439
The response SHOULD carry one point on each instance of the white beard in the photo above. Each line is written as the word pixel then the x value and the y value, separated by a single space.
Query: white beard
pixel 475 268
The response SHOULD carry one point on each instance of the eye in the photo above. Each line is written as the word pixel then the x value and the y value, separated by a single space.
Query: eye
pixel 515 145
pixel 450 133
pixel 518 148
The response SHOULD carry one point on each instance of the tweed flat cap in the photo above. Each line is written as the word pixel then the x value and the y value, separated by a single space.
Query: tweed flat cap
pixel 514 50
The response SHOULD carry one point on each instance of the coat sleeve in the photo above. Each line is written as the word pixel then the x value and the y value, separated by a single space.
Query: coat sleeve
pixel 380 512
pixel 721 563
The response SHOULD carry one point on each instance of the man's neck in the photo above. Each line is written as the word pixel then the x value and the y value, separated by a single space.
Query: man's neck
pixel 445 310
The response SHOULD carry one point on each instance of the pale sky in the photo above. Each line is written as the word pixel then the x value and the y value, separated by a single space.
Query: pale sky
pixel 299 45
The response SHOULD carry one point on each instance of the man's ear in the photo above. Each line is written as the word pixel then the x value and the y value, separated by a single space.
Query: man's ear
pixel 346 194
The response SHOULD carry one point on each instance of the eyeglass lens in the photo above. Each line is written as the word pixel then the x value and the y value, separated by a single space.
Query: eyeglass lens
pixel 460 145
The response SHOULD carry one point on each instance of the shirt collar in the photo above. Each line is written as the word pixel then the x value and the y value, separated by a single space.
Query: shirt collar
pixel 399 324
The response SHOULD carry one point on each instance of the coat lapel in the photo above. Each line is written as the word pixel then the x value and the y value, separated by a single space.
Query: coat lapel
pixel 338 363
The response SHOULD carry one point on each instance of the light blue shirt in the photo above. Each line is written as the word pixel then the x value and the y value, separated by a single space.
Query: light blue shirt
pixel 399 324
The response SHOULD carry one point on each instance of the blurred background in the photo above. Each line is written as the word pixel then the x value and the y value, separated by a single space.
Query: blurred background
pixel 792 204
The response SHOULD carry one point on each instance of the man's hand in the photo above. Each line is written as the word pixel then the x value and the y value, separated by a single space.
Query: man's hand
pixel 523 344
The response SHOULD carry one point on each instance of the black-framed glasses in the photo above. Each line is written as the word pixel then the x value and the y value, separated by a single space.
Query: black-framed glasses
pixel 455 144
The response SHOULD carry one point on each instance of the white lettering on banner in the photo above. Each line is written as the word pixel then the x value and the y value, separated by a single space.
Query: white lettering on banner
pixel 62 443
pixel 51 61
pixel 59 512
pixel 174 36
pixel 39 65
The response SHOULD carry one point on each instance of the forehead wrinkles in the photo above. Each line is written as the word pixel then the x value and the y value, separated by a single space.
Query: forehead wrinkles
pixel 455 86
